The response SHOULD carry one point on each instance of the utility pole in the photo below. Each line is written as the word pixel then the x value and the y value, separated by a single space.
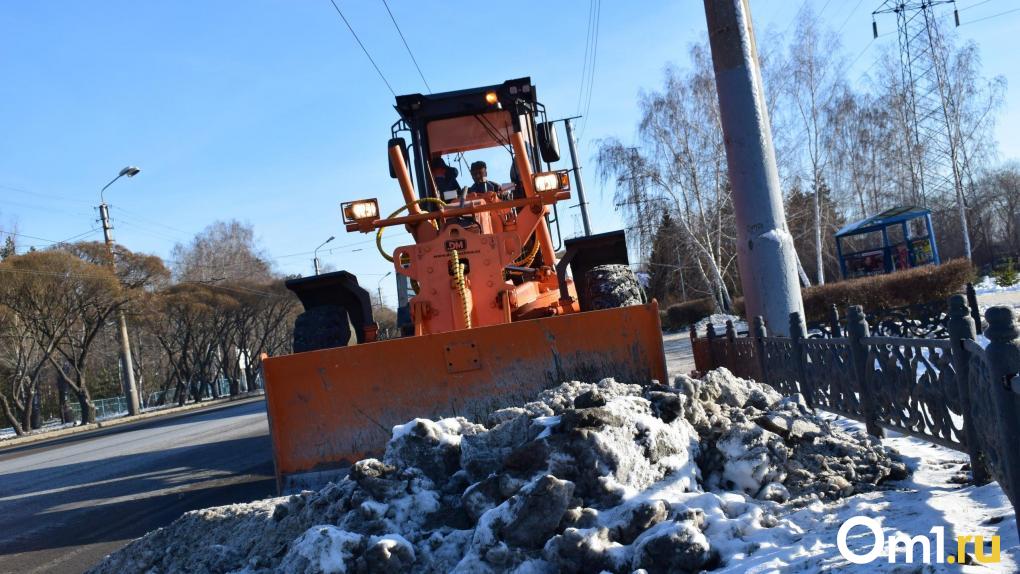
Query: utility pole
pixel 126 364
pixel 577 175
pixel 765 252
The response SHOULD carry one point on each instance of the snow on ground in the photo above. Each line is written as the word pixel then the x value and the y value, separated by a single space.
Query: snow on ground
pixel 988 285
pixel 52 425
pixel 718 321
pixel 717 474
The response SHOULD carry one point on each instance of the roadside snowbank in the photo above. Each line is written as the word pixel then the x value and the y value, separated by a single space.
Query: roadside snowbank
pixel 712 474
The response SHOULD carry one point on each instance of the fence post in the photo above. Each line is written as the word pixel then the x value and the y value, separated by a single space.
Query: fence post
pixel 1003 354
pixel 797 336
pixel 961 327
pixel 710 335
pixel 731 345
pixel 857 329
pixel 975 312
pixel 836 329
pixel 759 333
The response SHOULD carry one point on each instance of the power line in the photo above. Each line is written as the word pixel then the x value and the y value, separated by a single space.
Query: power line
pixel 363 48
pixel 46 195
pixel 395 25
pixel 794 19
pixel 850 15
pixel 73 237
pixel 990 17
pixel 594 59
pixel 975 5
pixel 147 221
pixel 587 47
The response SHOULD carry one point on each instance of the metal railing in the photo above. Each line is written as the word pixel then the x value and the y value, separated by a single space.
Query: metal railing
pixel 952 392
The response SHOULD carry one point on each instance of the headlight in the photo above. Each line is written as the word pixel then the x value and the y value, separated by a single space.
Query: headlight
pixel 552 181
pixel 361 209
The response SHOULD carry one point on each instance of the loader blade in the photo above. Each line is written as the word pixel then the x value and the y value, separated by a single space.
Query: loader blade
pixel 333 407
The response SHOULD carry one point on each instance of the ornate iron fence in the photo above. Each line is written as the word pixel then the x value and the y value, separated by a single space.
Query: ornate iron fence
pixel 928 320
pixel 949 391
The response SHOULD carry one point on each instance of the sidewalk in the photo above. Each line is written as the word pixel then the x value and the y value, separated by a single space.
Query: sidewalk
pixel 43 435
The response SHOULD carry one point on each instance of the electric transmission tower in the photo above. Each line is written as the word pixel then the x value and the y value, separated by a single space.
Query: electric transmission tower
pixel 937 156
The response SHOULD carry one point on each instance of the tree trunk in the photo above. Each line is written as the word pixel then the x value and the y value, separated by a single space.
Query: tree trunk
pixel 12 418
pixel 36 410
pixel 27 400
pixel 180 394
pixel 820 279
pixel 66 414
pixel 88 410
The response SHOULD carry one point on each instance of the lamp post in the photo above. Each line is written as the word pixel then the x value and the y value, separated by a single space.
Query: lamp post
pixel 126 364
pixel 315 254
pixel 378 287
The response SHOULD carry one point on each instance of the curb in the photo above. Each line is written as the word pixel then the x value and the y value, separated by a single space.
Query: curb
pixel 43 436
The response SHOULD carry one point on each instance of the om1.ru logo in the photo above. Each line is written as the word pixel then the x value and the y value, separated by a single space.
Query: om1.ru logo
pixel 908 545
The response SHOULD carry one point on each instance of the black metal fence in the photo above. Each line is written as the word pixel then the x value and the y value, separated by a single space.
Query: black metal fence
pixel 929 320
pixel 952 392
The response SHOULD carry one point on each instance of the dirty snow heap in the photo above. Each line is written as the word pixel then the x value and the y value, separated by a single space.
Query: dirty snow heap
pixel 589 477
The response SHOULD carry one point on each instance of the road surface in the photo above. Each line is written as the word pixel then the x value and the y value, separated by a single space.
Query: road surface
pixel 67 503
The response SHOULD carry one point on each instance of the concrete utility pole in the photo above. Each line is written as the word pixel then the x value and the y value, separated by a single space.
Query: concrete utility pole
pixel 126 364
pixel 765 252
pixel 577 176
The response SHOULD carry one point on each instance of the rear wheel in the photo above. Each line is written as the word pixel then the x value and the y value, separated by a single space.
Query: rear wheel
pixel 322 327
pixel 612 286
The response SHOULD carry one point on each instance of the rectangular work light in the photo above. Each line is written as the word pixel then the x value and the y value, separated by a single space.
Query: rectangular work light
pixel 360 210
pixel 552 181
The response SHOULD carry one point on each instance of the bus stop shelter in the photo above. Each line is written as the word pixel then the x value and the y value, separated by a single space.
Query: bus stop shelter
pixel 912 248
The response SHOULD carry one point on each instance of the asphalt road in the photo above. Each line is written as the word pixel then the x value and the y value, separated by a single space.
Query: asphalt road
pixel 67 503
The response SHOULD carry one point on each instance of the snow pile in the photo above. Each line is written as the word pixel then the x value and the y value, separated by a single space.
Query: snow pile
pixel 698 475
pixel 988 285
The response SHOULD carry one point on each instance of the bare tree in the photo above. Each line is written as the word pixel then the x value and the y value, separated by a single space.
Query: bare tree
pixel 816 76
pixel 223 251
pixel 679 166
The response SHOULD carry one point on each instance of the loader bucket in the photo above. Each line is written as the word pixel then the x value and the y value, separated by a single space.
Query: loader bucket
pixel 332 407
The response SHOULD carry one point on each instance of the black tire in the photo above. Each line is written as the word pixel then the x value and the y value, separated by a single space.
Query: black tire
pixel 323 327
pixel 612 286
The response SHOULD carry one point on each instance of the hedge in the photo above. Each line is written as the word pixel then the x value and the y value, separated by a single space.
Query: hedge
pixel 908 287
pixel 911 287
pixel 682 314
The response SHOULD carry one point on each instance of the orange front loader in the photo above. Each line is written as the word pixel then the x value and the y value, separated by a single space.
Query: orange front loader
pixel 495 316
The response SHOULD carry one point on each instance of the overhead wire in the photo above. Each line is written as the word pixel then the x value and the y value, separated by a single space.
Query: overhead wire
pixel 50 241
pixel 850 15
pixel 363 48
pixel 409 52
pixel 45 195
pixel 591 73
pixel 974 5
pixel 990 17
pixel 587 48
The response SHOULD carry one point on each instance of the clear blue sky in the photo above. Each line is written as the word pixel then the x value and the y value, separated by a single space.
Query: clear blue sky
pixel 268 112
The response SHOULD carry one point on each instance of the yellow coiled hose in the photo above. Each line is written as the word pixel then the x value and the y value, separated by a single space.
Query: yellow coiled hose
pixel 378 234
pixel 458 280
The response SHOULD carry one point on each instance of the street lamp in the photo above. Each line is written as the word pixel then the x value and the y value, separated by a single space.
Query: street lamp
pixel 127 365
pixel 315 254
pixel 129 171
pixel 378 288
